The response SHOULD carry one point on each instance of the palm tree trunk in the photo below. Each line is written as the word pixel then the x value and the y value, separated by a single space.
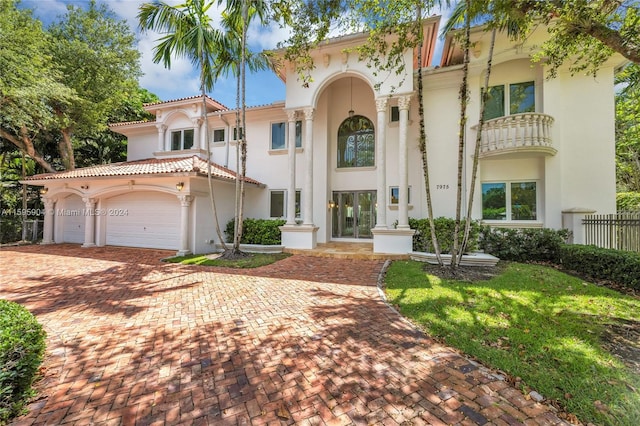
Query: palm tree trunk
pixel 476 154
pixel 243 143
pixel 464 100
pixel 423 143
pixel 203 115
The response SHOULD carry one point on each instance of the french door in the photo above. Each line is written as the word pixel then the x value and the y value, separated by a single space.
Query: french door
pixel 353 214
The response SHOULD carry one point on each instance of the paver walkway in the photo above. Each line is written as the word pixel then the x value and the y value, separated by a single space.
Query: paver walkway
pixel 307 340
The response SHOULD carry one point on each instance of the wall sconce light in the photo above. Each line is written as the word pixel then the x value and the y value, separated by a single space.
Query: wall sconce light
pixel 179 186
pixel 332 204
pixel 44 190
pixel 85 187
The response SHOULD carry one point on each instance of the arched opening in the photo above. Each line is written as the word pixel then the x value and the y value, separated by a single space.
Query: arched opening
pixel 356 142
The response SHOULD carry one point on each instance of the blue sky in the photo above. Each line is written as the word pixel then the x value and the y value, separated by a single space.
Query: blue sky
pixel 182 79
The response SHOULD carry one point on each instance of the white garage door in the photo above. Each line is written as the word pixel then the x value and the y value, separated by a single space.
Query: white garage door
pixel 143 219
pixel 72 215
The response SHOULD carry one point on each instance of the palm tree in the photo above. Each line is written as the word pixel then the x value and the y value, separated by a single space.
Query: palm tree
pixel 188 33
pixel 236 59
pixel 498 16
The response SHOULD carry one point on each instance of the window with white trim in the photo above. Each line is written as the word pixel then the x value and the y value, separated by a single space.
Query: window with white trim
pixel 181 139
pixel 279 139
pixel 235 133
pixel 394 195
pixel 509 201
pixel 218 135
pixel 395 114
pixel 509 99
pixel 278 204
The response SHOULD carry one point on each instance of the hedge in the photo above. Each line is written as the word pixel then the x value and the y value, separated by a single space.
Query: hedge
pixel 523 245
pixel 444 231
pixel 22 345
pixel 621 267
pixel 257 231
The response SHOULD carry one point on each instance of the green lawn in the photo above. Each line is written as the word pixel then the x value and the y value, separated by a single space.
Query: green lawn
pixel 253 260
pixel 533 322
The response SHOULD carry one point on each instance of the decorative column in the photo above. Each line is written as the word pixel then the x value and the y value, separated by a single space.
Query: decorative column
pixel 197 125
pixel 161 131
pixel 403 189
pixel 307 213
pixel 291 192
pixel 381 165
pixel 49 212
pixel 185 202
pixel 89 222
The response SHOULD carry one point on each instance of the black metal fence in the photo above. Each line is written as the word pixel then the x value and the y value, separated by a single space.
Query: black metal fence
pixel 620 231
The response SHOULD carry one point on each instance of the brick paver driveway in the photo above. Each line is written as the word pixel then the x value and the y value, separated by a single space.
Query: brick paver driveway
pixel 132 340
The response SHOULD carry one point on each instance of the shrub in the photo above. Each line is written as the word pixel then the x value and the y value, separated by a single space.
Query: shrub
pixel 444 231
pixel 22 344
pixel 257 231
pixel 523 245
pixel 622 267
pixel 628 201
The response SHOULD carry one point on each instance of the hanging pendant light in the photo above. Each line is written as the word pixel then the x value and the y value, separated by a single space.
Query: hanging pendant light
pixel 351 112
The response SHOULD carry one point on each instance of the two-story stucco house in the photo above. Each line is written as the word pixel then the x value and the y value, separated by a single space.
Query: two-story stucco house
pixel 339 157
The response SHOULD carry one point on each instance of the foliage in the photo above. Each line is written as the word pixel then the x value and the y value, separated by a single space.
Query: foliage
pixel 535 323
pixel 628 201
pixel 585 33
pixel 70 79
pixel 422 241
pixel 621 267
pixel 22 345
pixel 524 245
pixel 252 260
pixel 628 129
pixel 257 231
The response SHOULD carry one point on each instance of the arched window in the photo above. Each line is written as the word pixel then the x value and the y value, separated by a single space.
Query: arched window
pixel 356 142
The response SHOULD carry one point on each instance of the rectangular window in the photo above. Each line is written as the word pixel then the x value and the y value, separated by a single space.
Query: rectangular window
pixel 509 201
pixel 519 98
pixel 218 135
pixel 278 135
pixel 181 139
pixel 523 201
pixel 235 133
pixel 395 114
pixel 279 139
pixel 394 195
pixel 278 204
pixel 522 98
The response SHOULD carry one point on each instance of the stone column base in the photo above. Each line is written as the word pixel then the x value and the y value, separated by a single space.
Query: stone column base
pixel 299 236
pixel 393 241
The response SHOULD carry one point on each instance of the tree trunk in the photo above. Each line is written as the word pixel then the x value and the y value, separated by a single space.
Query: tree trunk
pixel 423 144
pixel 203 115
pixel 25 145
pixel 476 155
pixel 65 148
pixel 464 99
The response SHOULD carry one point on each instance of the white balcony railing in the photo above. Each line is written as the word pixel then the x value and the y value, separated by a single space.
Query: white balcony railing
pixel 528 132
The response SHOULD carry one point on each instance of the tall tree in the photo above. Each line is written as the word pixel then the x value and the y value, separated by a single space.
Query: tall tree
pixel 62 83
pixel 188 33
pixel 97 54
pixel 628 129
pixel 585 33
pixel 30 84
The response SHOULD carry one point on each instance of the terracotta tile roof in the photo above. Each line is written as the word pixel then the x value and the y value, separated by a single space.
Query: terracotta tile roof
pixel 219 104
pixel 149 166
pixel 125 123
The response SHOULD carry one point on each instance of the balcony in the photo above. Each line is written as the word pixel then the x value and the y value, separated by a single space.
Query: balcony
pixel 528 133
